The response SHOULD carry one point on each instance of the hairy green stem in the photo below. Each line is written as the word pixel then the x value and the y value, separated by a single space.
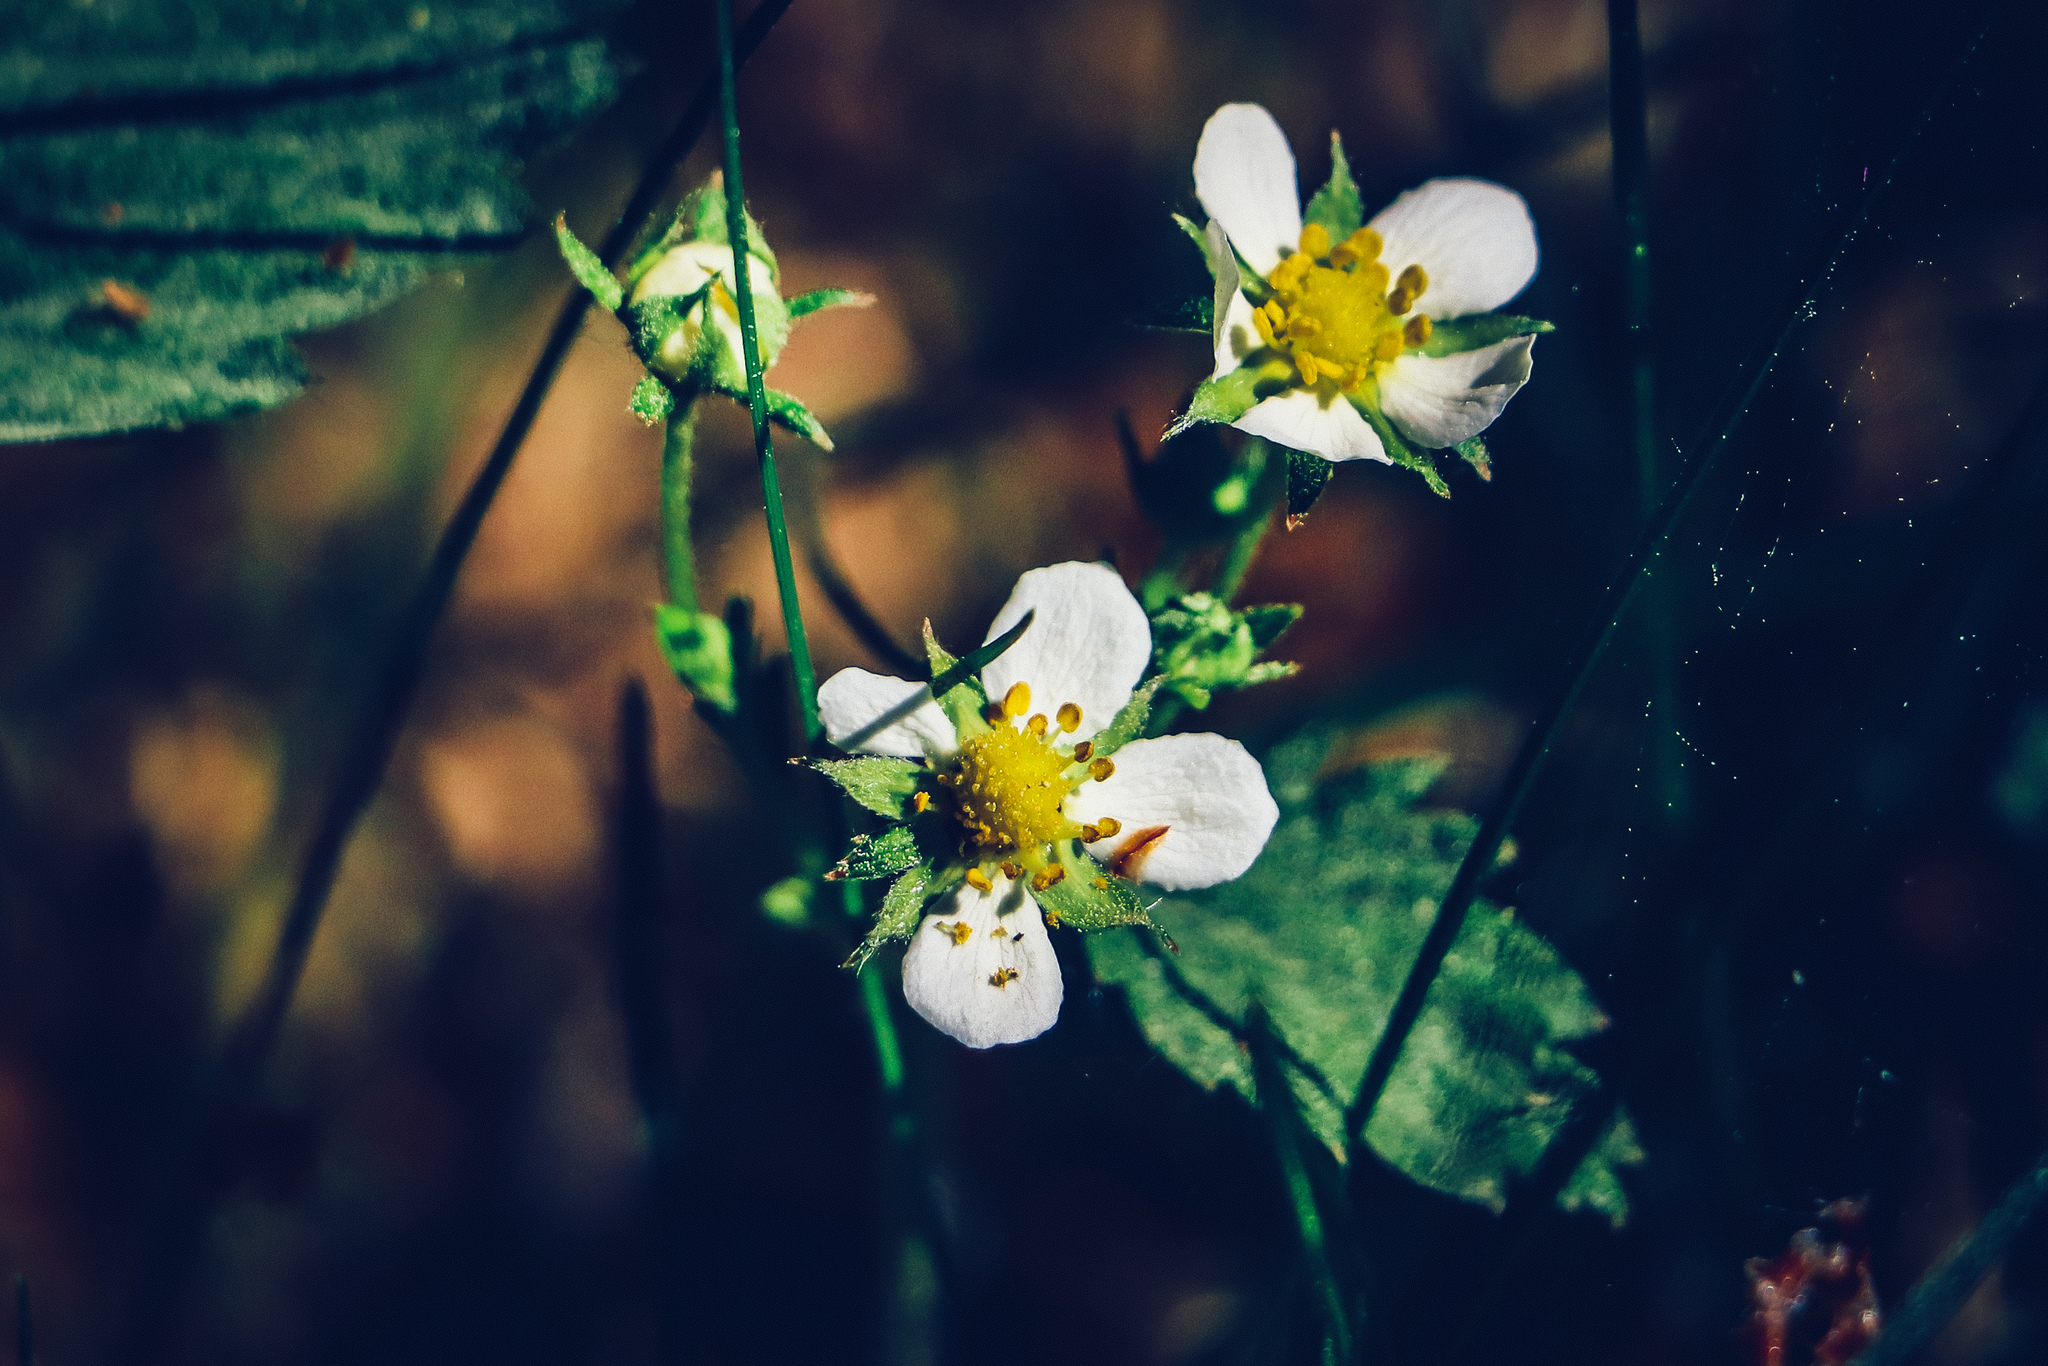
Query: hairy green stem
pixel 679 559
pixel 757 390
pixel 1607 618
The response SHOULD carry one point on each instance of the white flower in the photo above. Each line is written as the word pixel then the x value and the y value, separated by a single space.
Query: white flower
pixel 1341 333
pixel 1023 787
pixel 684 270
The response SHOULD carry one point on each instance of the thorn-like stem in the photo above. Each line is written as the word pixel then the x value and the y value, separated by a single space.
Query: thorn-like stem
pixel 806 675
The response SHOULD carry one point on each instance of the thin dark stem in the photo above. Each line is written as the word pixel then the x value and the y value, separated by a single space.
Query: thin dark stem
pixel 1276 1103
pixel 651 1052
pixel 1612 607
pixel 376 734
pixel 679 558
pixel 1950 1282
pixel 806 675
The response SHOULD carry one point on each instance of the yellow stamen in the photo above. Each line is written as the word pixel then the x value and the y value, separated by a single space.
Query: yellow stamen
pixel 1315 240
pixel 920 801
pixel 978 880
pixel 1100 769
pixel 1002 977
pixel 1038 722
pixel 1090 833
pixel 1109 826
pixel 1330 311
pixel 1047 878
pixel 958 931
pixel 1083 750
pixel 993 714
pixel 1011 870
pixel 1069 717
pixel 1017 700
pixel 1102 884
pixel 1052 918
pixel 1414 279
pixel 1417 329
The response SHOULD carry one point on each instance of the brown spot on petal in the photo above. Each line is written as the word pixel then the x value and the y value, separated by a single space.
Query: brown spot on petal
pixel 1132 853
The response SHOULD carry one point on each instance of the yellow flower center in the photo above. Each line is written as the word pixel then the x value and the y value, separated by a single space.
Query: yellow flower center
pixel 1009 785
pixel 1332 312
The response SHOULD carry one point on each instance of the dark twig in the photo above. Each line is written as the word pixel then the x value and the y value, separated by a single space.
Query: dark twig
pixel 1613 604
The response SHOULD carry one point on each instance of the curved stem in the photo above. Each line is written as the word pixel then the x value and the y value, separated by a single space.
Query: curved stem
pixel 757 390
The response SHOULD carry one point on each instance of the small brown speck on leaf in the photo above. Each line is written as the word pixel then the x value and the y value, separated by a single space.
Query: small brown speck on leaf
pixel 111 211
pixel 126 300
pixel 340 254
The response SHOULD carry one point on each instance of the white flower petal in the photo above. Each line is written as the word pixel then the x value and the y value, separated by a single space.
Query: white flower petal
pixel 1474 238
pixel 1223 267
pixel 1194 810
pixel 875 714
pixel 1327 425
pixel 998 984
pixel 1088 645
pixel 1442 400
pixel 1244 176
pixel 1237 336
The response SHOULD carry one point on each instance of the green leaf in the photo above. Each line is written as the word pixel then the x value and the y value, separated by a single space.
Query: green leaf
pixel 588 269
pixel 788 411
pixel 1225 398
pixel 961 697
pixel 1090 897
pixel 901 909
pixel 1196 315
pixel 1307 475
pixel 190 186
pixel 877 856
pixel 1201 645
pixel 1473 452
pixel 882 785
pixel 959 671
pixel 698 647
pixel 1336 207
pixel 652 401
pixel 1322 931
pixel 1475 330
pixel 1129 723
pixel 1269 619
pixel 803 305
pixel 1403 454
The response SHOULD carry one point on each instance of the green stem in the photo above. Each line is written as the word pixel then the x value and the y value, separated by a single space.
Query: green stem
pixel 1276 1102
pixel 757 389
pixel 679 559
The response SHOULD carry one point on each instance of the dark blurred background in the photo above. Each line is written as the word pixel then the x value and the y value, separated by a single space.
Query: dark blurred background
pixel 1809 891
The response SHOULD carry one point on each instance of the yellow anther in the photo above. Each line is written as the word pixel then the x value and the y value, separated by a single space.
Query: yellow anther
pixel 1090 833
pixel 1017 700
pixel 920 801
pixel 1288 275
pixel 1052 918
pixel 1102 884
pixel 1388 346
pixel 1301 329
pixel 1417 329
pixel 1011 870
pixel 1399 300
pixel 1002 977
pixel 1069 717
pixel 1363 245
pixel 959 931
pixel 1038 723
pixel 1109 825
pixel 1414 279
pixel 1315 241
pixel 1264 326
pixel 978 880
pixel 1100 770
pixel 993 714
pixel 1083 750
pixel 1047 878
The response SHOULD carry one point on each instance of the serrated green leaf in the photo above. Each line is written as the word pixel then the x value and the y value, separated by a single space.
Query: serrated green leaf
pixel 1225 398
pixel 652 401
pixel 1336 207
pixel 902 908
pixel 190 186
pixel 1307 475
pixel 1475 330
pixel 803 305
pixel 1090 897
pixel 1405 455
pixel 698 647
pixel 588 269
pixel 1322 931
pixel 1129 722
pixel 880 855
pixel 883 785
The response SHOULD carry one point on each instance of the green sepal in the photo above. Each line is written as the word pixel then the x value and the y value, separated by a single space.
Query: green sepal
pixel 881 784
pixel 1195 235
pixel 877 856
pixel 588 269
pixel 701 218
pixel 788 902
pixel 650 322
pixel 1307 476
pixel 803 305
pixel 1473 452
pixel 902 908
pixel 1225 398
pixel 1403 454
pixel 1196 315
pixel 788 411
pixel 1475 330
pixel 698 647
pixel 1336 207
pixel 652 401
pixel 1076 902
pixel 962 702
pixel 1267 620
pixel 1200 645
pixel 1129 723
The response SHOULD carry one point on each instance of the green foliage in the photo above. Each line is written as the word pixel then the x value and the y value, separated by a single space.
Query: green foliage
pixel 1226 398
pixel 189 186
pixel 802 305
pixel 877 856
pixel 698 647
pixel 1322 931
pixel 901 909
pixel 1200 645
pixel 1090 897
pixel 788 902
pixel 1475 330
pixel 1307 476
pixel 588 269
pixel 883 785
pixel 652 402
pixel 1129 723
pixel 959 692
pixel 1337 206
pixel 787 411
pixel 1405 455
pixel 1473 453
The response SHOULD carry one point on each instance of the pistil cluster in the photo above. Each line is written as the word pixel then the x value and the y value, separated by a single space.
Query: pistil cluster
pixel 1332 312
